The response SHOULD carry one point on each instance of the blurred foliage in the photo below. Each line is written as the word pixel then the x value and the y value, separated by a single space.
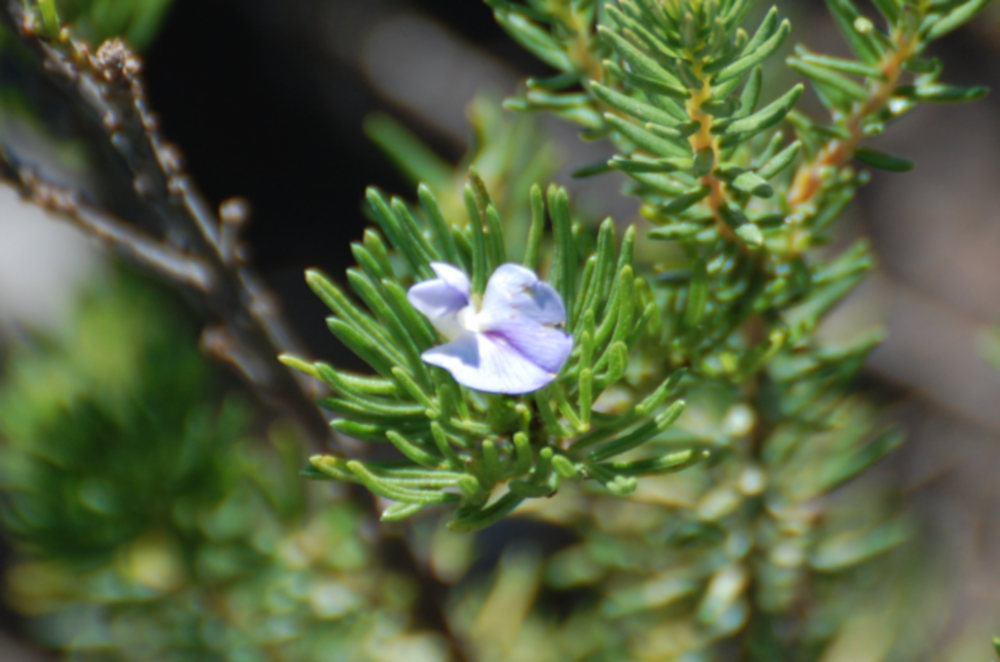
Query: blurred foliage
pixel 150 521
pixel 509 153
pixel 137 21
pixel 989 343
pixel 86 401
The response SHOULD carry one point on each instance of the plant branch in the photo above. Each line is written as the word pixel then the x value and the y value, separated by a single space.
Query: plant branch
pixel 197 250
pixel 705 139
pixel 807 184
pixel 136 246
pixel 582 55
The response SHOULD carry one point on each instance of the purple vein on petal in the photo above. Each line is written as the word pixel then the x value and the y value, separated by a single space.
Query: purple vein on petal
pixel 489 364
pixel 544 346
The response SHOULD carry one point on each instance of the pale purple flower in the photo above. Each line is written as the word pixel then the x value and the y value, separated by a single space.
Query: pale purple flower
pixel 508 341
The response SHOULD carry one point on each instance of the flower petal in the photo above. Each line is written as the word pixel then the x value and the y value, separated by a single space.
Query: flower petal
pixel 488 363
pixel 440 299
pixel 545 346
pixel 452 275
pixel 515 292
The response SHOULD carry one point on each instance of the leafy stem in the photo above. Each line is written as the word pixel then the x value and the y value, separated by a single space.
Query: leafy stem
pixel 702 141
pixel 808 181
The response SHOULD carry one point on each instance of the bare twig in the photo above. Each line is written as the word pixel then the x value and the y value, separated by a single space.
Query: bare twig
pixel 134 245
pixel 196 250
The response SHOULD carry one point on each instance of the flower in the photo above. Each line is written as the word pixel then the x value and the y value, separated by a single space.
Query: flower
pixel 508 341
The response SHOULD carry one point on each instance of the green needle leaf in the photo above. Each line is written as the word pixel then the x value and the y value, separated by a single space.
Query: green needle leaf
pixel 936 93
pixel 882 160
pixel 935 29
pixel 755 54
pixel 399 511
pixel 764 118
pixel 534 39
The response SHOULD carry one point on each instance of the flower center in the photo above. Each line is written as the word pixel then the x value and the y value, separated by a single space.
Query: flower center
pixel 462 321
pixel 468 318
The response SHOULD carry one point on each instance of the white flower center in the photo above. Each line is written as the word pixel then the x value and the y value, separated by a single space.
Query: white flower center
pixel 468 318
pixel 463 321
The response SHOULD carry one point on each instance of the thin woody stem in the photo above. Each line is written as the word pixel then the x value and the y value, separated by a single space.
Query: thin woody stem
pixel 135 245
pixel 809 179
pixel 703 138
pixel 194 251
